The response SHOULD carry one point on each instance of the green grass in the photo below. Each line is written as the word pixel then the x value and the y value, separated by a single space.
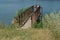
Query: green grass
pixel 14 33
pixel 48 30
pixel 25 34
pixel 52 22
pixel 21 11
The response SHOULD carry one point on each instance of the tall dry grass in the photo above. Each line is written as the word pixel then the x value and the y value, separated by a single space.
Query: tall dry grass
pixel 52 22
pixel 26 34
pixel 49 31
pixel 13 33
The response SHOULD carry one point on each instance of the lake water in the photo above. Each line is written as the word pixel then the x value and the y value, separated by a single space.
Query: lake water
pixel 8 8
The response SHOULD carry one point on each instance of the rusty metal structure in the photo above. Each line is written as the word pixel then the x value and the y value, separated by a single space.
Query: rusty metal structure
pixel 33 12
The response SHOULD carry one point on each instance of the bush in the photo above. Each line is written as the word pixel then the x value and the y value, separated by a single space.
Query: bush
pixel 52 22
pixel 38 25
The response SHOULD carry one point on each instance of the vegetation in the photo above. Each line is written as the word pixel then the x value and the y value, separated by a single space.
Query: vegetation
pixel 49 30
pixel 52 22
pixel 25 34
pixel 21 11
pixel 38 25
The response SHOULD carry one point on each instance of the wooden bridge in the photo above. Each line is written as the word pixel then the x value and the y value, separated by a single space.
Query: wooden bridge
pixel 28 17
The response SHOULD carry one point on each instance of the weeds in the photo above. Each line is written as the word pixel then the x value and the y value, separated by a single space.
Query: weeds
pixel 49 30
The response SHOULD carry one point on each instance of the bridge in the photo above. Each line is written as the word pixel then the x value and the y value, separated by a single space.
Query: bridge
pixel 28 17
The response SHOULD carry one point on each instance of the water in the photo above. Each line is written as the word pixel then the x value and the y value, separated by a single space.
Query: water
pixel 8 8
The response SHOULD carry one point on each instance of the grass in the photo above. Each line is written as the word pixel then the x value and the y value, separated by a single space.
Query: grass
pixel 52 22
pixel 13 33
pixel 50 30
pixel 26 34
pixel 22 11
